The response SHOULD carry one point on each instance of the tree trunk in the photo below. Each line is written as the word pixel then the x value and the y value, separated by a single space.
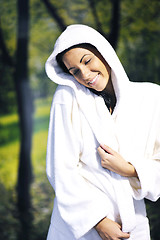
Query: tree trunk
pixel 92 4
pixel 24 101
pixel 53 11
pixel 113 36
pixel 115 23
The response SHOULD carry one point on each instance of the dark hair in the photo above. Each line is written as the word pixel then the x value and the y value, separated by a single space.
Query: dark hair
pixel 60 55
pixel 60 62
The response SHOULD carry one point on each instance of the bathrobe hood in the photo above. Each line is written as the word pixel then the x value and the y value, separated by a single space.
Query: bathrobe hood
pixel 78 34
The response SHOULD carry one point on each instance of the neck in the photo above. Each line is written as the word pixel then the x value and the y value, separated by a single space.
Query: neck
pixel 109 89
pixel 108 95
pixel 109 92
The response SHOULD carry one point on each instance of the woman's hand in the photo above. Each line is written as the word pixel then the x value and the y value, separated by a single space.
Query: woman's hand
pixel 114 162
pixel 110 230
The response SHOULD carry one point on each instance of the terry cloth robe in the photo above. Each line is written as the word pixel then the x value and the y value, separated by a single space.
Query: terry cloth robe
pixel 85 192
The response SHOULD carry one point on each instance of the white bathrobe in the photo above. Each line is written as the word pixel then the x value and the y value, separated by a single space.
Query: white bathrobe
pixel 85 192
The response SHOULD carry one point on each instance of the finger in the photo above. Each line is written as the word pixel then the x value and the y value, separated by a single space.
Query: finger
pixel 107 149
pixel 101 150
pixel 103 153
pixel 125 235
pixel 119 226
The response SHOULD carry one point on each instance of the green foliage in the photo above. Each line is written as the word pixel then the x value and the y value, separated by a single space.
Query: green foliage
pixel 41 191
pixel 8 18
pixel 9 224
pixel 73 11
pixel 139 42
pixel 8 101
pixel 9 132
pixel 9 163
pixel 139 15
pixel 10 137
pixel 8 27
pixel 43 33
pixel 104 11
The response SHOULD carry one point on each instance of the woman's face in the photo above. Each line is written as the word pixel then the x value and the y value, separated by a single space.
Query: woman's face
pixel 88 67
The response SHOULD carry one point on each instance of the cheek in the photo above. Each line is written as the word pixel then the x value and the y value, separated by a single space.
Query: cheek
pixel 79 80
pixel 99 66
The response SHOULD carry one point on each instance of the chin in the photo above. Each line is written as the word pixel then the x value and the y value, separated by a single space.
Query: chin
pixel 99 89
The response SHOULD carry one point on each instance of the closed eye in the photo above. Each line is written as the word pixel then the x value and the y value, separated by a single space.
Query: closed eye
pixel 86 62
pixel 76 72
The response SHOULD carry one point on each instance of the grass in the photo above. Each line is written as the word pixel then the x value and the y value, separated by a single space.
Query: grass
pixel 41 191
pixel 9 143
pixel 8 119
pixel 9 164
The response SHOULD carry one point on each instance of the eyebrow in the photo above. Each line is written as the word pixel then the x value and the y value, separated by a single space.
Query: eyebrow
pixel 79 61
pixel 83 57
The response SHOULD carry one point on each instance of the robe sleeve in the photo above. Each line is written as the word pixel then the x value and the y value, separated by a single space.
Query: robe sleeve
pixel 80 204
pixel 147 185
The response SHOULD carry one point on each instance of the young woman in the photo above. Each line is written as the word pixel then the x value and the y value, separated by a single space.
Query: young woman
pixel 104 142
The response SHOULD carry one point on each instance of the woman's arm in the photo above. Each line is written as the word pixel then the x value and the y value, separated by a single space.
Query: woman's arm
pixel 144 177
pixel 114 162
pixel 80 204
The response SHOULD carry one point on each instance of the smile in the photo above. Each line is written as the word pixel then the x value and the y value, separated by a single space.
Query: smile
pixel 94 81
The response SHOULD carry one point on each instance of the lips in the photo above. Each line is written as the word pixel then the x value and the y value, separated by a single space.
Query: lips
pixel 94 81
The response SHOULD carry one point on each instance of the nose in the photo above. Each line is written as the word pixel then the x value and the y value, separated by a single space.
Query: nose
pixel 85 73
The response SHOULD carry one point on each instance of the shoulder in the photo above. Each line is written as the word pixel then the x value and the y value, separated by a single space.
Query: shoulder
pixel 145 98
pixel 146 90
pixel 63 95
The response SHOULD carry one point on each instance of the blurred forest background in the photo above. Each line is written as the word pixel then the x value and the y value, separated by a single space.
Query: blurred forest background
pixel 28 30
